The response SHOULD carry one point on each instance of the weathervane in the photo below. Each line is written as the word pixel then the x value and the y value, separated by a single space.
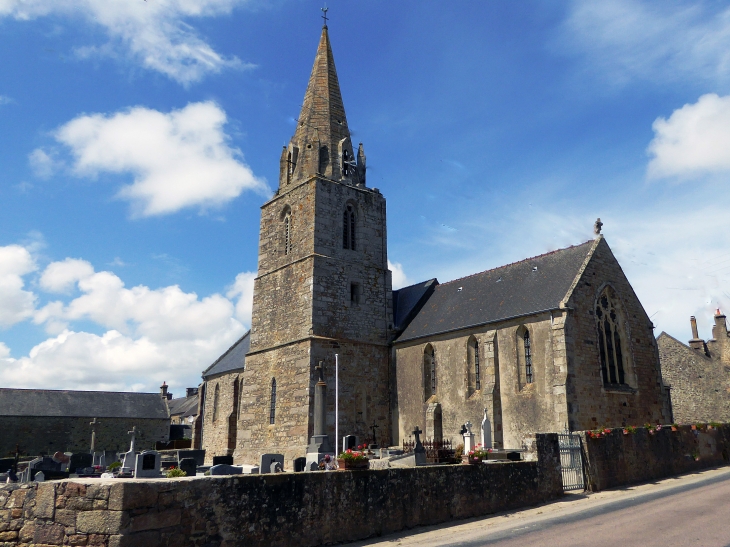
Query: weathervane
pixel 325 9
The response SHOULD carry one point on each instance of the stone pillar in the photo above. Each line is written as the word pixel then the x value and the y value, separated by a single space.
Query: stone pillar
pixel 319 444
pixel 434 427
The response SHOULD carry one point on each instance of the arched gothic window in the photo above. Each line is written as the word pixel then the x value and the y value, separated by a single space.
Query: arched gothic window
pixel 272 408
pixel 216 394
pixel 473 365
pixel 287 231
pixel 611 332
pixel 348 228
pixel 429 372
pixel 528 356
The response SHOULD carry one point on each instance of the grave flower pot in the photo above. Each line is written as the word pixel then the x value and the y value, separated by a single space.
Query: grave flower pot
pixel 350 464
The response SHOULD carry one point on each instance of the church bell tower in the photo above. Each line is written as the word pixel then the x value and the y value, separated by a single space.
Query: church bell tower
pixel 323 287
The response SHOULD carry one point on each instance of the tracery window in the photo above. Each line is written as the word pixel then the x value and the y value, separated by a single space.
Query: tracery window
pixel 609 321
pixel 429 372
pixel 348 228
pixel 272 408
pixel 528 356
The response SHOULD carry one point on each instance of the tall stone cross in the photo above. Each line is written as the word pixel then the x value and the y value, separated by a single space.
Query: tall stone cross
pixel 93 425
pixel 418 447
pixel 374 427
pixel 467 425
pixel 133 433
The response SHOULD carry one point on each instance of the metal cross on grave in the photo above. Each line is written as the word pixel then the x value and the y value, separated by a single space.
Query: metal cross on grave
pixel 133 433
pixel 93 425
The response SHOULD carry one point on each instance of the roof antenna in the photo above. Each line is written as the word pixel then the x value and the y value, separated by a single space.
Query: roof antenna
pixel 325 9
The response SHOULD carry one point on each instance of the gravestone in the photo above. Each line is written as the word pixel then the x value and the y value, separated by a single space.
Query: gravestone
pixel 266 461
pixel 51 469
pixel 39 476
pixel 147 465
pixel 225 469
pixel 189 465
pixel 300 464
pixel 469 444
pixel 349 442
pixel 419 451
pixel 6 464
pixel 110 456
pixel 486 431
pixel 79 462
pixel 197 455
pixel 129 459
pixel 222 460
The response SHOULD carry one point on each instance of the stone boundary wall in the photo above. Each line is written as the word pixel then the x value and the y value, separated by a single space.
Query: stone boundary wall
pixel 617 459
pixel 302 509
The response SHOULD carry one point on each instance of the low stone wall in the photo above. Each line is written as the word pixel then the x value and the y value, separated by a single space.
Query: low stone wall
pixel 617 459
pixel 302 509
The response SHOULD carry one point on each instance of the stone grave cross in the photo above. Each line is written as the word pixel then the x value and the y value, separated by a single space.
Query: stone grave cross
pixel 133 433
pixel 374 427
pixel 418 446
pixel 93 425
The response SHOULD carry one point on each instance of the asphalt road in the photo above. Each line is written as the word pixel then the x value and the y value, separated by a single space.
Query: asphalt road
pixel 692 510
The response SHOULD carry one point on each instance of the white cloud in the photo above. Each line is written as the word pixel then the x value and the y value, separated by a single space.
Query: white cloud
pixel 155 33
pixel 60 277
pixel 694 140
pixel 178 160
pixel 16 304
pixel 399 277
pixel 42 163
pixel 660 41
pixel 242 289
pixel 4 99
pixel 146 335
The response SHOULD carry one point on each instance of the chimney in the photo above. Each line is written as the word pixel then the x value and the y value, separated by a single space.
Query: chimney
pixel 191 391
pixel 696 342
pixel 719 331
pixel 163 390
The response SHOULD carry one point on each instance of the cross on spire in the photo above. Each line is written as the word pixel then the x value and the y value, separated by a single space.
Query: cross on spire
pixel 325 9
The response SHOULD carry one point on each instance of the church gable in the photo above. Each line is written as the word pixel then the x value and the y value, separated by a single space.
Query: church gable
pixel 523 288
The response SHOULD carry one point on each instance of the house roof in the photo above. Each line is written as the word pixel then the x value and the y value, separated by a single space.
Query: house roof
pixel 530 286
pixel 184 406
pixel 91 404
pixel 408 301
pixel 233 359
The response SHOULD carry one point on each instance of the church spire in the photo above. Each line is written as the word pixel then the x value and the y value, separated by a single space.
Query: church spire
pixel 321 143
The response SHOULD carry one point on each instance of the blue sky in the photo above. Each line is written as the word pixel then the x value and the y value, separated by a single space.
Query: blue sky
pixel 139 139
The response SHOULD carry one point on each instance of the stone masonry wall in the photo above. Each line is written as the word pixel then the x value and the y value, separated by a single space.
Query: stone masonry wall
pixel 46 435
pixel 617 459
pixel 700 386
pixel 516 409
pixel 292 510
pixel 591 403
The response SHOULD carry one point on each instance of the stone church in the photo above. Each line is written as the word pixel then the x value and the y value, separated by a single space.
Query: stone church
pixel 553 342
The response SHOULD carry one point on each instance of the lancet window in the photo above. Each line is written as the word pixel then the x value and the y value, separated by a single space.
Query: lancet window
pixel 272 408
pixel 348 228
pixel 528 356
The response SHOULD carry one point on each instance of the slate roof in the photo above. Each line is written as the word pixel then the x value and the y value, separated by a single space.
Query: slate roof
pixel 233 359
pixel 90 404
pixel 522 288
pixel 183 406
pixel 407 301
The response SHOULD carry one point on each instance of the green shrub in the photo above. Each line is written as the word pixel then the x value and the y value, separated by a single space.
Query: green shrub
pixel 175 472
pixel 114 465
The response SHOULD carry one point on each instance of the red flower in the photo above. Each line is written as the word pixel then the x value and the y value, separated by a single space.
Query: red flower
pixel 349 450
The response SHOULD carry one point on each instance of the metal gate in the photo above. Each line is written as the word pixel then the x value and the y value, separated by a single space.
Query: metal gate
pixel 571 461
